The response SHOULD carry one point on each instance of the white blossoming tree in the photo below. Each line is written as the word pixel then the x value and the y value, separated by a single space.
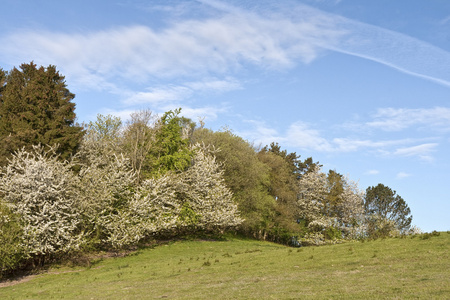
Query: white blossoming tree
pixel 196 199
pixel 312 188
pixel 206 193
pixel 350 210
pixel 106 184
pixel 42 191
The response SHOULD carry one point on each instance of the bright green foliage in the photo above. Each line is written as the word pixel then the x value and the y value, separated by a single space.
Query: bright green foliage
pixel 386 211
pixel 283 188
pixel 36 108
pixel 335 187
pixel 170 151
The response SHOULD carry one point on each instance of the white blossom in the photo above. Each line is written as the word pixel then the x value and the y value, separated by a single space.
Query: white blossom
pixel 43 192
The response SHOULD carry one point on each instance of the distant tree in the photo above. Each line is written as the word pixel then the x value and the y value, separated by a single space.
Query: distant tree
pixel 138 138
pixel 312 199
pixel 349 210
pixel 385 209
pixel 283 188
pixel 36 108
pixel 335 188
pixel 105 128
pixel 297 166
pixel 103 137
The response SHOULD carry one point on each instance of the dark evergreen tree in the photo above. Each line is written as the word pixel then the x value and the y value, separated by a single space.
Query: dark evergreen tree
pixel 382 202
pixel 36 107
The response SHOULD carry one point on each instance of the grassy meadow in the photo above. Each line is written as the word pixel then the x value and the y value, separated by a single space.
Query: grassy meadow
pixel 397 268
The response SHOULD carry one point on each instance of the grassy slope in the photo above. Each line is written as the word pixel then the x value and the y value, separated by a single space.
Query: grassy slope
pixel 245 269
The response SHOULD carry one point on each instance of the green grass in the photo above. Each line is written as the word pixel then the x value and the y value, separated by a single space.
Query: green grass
pixel 400 268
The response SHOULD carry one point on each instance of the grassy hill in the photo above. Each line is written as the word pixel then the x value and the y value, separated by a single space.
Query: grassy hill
pixel 401 268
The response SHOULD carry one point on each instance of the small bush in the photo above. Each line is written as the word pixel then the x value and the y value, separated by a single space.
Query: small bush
pixel 427 235
pixel 11 250
pixel 332 233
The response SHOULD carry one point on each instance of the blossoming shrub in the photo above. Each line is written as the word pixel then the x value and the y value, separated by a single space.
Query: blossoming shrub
pixel 106 185
pixel 194 200
pixel 42 192
pixel 205 192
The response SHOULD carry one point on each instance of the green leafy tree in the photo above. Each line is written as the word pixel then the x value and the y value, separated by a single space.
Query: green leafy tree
pixel 36 108
pixel 246 176
pixel 335 189
pixel 386 211
pixel 170 151
pixel 284 189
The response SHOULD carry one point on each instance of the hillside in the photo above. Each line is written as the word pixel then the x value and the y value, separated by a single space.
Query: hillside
pixel 417 267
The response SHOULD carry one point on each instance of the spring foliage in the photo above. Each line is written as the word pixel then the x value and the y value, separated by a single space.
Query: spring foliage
pixel 113 185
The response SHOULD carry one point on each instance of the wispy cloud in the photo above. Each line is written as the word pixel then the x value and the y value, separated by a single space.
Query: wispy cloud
pixel 445 20
pixel 307 137
pixel 422 151
pixel 372 172
pixel 171 93
pixel 206 113
pixel 393 49
pixel 396 119
pixel 401 175
pixel 301 135
pixel 275 37
pixel 159 95
pixel 217 46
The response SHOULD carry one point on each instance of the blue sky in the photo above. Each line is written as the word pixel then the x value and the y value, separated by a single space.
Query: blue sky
pixel 361 86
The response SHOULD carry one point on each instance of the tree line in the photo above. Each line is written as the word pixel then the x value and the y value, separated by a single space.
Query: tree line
pixel 108 184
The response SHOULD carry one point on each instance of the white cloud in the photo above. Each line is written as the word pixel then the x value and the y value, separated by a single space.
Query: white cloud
pixel 159 95
pixel 301 135
pixel 225 40
pixel 402 175
pixel 192 48
pixel 165 94
pixel 396 119
pixel 422 151
pixel 207 113
pixel 372 172
pixel 215 85
pixel 304 136
pixel 259 133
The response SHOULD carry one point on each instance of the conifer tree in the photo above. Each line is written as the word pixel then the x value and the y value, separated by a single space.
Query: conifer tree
pixel 36 108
